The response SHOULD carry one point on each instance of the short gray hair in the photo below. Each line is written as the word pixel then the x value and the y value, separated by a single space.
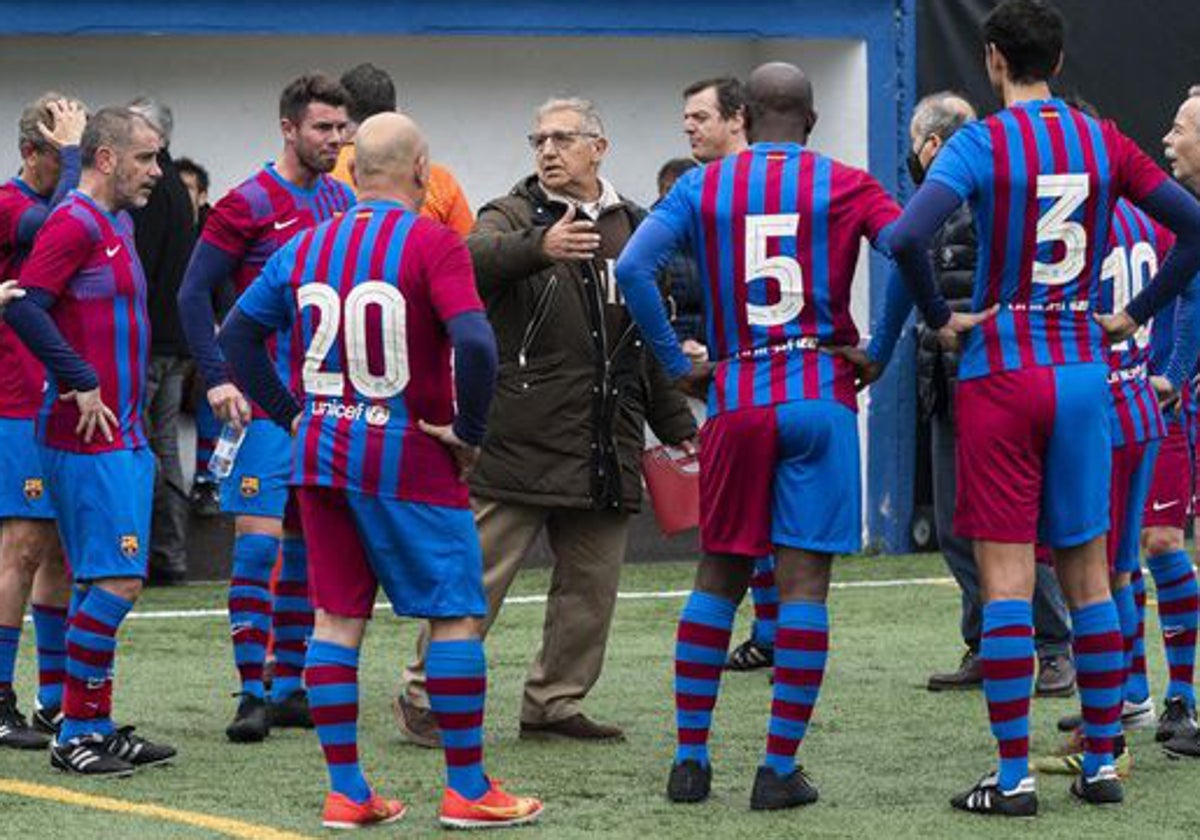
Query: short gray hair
pixel 111 127
pixel 37 112
pixel 936 115
pixel 584 107
pixel 158 114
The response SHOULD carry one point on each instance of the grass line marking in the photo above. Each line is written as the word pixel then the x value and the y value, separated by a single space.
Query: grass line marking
pixel 220 825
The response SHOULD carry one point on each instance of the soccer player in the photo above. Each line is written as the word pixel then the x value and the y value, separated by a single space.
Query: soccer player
pixel 714 120
pixel 84 317
pixel 776 230
pixel 241 232
pixel 1035 446
pixel 382 297
pixel 30 555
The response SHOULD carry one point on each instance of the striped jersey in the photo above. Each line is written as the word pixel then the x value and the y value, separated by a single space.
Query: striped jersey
pixel 87 259
pixel 21 374
pixel 369 295
pixel 1137 246
pixel 776 231
pixel 1042 180
pixel 254 219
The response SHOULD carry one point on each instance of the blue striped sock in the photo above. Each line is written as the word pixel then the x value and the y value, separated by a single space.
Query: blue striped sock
pixel 701 645
pixel 1137 685
pixel 91 648
pixel 801 650
pixel 291 619
pixel 766 601
pixel 250 606
pixel 1006 654
pixel 10 637
pixel 1099 660
pixel 1128 617
pixel 331 674
pixel 50 629
pixel 1178 603
pixel 456 679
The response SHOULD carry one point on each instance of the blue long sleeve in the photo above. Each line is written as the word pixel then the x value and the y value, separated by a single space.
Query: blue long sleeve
pixel 1186 348
pixel 244 341
pixel 208 269
pixel 1174 207
pixel 885 332
pixel 475 363
pixel 909 242
pixel 68 179
pixel 30 319
pixel 650 248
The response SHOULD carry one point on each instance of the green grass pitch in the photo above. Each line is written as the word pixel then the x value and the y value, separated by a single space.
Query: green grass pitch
pixel 886 754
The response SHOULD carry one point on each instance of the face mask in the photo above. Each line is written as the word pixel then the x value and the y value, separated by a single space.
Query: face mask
pixel 915 170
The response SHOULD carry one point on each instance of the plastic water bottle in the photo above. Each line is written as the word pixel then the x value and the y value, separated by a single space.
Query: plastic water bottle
pixel 226 450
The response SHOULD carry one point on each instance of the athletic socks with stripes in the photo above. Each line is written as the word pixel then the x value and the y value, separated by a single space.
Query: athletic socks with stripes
pixel 250 606
pixel 1097 644
pixel 766 601
pixel 701 645
pixel 91 647
pixel 456 679
pixel 1175 582
pixel 10 638
pixel 801 650
pixel 50 630
pixel 291 619
pixel 331 675
pixel 1137 684
pixel 1006 654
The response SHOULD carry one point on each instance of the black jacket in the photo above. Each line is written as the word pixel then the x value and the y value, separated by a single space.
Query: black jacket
pixel 954 254
pixel 165 231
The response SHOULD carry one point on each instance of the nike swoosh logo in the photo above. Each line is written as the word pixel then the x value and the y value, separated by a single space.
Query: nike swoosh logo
pixel 285 225
pixel 112 252
pixel 1156 507
pixel 1172 632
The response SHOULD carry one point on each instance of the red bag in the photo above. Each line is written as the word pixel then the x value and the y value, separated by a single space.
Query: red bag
pixel 673 482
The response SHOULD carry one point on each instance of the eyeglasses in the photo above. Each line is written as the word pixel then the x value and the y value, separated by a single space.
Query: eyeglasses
pixel 560 139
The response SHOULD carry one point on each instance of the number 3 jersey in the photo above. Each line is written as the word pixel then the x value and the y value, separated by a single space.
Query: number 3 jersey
pixel 776 232
pixel 1042 180
pixel 369 294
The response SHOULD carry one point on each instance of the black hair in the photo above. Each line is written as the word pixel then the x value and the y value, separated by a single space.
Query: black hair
pixel 190 167
pixel 731 96
pixel 1029 34
pixel 371 91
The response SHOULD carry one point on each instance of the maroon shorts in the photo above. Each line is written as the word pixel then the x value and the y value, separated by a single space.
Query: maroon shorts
pixel 1167 505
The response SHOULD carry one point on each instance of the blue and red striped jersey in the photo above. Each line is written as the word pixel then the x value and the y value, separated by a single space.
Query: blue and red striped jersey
pixel 254 219
pixel 21 374
pixel 87 259
pixel 369 295
pixel 1137 246
pixel 1042 180
pixel 776 231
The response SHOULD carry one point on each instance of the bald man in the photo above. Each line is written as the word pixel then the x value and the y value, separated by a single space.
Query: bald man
pixel 383 296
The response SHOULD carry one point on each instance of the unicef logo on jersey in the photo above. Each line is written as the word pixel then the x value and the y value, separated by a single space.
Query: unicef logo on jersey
pixel 375 415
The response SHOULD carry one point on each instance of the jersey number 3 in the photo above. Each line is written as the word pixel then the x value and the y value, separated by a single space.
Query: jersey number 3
pixel 392 332
pixel 784 269
pixel 1069 191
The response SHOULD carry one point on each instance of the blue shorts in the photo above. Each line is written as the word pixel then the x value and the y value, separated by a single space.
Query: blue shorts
pixel 1034 456
pixel 426 557
pixel 23 493
pixel 1132 475
pixel 781 475
pixel 258 485
pixel 103 502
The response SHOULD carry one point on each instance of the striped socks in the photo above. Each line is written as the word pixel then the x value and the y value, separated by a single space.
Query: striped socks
pixel 50 630
pixel 1175 582
pixel 1006 654
pixel 10 637
pixel 331 674
pixel 801 649
pixel 91 647
pixel 701 644
pixel 456 679
pixel 766 601
pixel 250 606
pixel 1097 644
pixel 1137 684
pixel 291 619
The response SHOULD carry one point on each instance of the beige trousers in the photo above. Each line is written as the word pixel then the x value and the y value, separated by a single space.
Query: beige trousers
pixel 588 548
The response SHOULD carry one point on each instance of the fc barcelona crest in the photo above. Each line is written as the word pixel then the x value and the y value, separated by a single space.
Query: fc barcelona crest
pixel 129 545
pixel 249 486
pixel 34 489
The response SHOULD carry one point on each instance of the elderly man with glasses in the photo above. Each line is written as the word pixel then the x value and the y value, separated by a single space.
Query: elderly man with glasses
pixel 566 428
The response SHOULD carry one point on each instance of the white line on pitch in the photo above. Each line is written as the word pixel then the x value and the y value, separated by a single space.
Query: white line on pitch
pixel 541 599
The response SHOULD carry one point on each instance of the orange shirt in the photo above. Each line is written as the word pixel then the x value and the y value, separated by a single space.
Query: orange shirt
pixel 444 199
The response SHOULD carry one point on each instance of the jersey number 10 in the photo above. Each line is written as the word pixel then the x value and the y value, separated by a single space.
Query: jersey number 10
pixel 352 318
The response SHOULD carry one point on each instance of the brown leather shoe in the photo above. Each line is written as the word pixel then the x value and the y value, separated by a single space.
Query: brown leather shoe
pixel 578 727
pixel 1056 676
pixel 968 676
pixel 418 725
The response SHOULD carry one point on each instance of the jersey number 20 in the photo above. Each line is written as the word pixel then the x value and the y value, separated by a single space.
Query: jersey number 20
pixel 353 320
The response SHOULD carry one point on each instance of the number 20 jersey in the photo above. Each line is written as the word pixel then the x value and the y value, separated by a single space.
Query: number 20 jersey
pixel 1042 180
pixel 369 294
pixel 776 232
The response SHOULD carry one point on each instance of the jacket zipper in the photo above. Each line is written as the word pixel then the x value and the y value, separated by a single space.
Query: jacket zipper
pixel 540 311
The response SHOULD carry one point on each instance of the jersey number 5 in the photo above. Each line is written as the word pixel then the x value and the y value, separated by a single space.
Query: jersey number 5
pixel 1069 192
pixel 784 269
pixel 392 332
